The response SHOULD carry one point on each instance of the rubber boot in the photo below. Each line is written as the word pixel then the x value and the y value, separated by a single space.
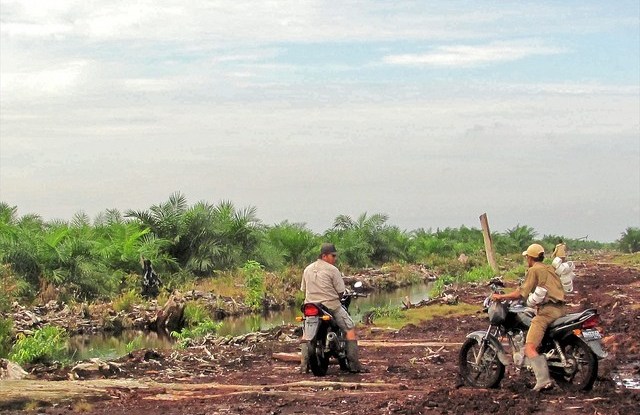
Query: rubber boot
pixel 304 357
pixel 352 356
pixel 541 370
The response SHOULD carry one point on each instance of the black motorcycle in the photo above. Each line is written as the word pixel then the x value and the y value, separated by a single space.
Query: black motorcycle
pixel 323 337
pixel 572 346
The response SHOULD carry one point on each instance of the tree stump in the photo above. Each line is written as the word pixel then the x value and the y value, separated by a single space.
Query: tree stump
pixel 171 317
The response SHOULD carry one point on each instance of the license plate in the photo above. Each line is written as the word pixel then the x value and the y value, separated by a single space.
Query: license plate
pixel 591 335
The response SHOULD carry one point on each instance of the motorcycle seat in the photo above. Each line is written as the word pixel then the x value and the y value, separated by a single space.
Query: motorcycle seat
pixel 571 318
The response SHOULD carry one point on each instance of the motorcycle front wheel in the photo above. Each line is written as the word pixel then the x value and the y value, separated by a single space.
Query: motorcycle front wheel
pixel 582 366
pixel 487 373
pixel 318 360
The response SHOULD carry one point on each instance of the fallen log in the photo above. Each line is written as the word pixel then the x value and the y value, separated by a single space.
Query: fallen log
pixel 14 394
pixel 287 357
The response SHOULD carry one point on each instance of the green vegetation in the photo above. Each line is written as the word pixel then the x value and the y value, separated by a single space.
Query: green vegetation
pixel 134 344
pixel 630 240
pixel 43 346
pixel 387 311
pixel 9 287
pixel 630 260
pixel 227 250
pixel 195 313
pixel 398 318
pixel 6 336
pixel 188 336
pixel 126 301
pixel 254 282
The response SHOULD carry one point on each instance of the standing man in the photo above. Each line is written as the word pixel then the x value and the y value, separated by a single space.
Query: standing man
pixel 150 280
pixel 560 251
pixel 322 283
pixel 551 308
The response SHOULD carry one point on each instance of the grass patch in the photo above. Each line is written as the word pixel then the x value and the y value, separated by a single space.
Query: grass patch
pixel 417 315
pixel 82 406
pixel 515 273
pixel 478 274
pixel 629 260
pixel 386 311
pixel 126 301
pixel 188 336
pixel 31 406
pixel 225 284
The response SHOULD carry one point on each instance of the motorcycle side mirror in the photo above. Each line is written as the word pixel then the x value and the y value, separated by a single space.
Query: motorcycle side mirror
pixel 357 285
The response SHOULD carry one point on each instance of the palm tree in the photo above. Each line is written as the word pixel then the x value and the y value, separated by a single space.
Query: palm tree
pixel 522 236
pixel 360 240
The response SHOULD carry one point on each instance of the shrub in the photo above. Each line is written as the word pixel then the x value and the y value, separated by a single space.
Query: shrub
pixel 126 301
pixel 254 282
pixel 188 335
pixel 478 274
pixel 6 336
pixel 195 313
pixel 43 346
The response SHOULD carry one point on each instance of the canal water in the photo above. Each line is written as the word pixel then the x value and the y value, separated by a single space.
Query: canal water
pixel 108 346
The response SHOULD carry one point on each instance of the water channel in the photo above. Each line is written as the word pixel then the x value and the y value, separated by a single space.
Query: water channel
pixel 108 346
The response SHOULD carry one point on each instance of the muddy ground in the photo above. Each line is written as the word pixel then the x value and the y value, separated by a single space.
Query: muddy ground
pixel 412 371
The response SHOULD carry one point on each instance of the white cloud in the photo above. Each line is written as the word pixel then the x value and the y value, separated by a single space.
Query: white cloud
pixel 149 85
pixel 59 80
pixel 467 55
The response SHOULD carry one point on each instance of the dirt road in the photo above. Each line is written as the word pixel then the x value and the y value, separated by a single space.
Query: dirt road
pixel 412 371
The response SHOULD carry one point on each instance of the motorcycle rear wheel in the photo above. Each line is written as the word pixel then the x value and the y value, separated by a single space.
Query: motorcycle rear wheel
pixel 583 369
pixel 318 360
pixel 487 374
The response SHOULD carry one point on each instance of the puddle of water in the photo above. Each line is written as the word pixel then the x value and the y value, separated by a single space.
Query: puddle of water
pixel 627 376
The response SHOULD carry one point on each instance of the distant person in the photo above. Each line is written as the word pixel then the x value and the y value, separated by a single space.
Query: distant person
pixel 560 251
pixel 150 280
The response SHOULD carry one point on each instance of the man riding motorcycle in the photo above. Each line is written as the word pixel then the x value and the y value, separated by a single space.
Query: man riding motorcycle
pixel 322 283
pixel 551 307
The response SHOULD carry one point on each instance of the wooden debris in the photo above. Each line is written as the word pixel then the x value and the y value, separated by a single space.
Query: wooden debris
pixel 446 298
pixel 11 371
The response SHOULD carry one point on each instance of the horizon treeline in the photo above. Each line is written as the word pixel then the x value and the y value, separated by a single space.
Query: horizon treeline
pixel 92 258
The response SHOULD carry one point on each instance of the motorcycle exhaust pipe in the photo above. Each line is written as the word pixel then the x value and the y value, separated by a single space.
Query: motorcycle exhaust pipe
pixel 331 338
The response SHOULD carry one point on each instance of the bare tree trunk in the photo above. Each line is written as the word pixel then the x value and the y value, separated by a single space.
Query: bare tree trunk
pixel 488 243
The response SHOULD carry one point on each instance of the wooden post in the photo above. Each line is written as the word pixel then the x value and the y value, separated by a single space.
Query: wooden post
pixel 488 243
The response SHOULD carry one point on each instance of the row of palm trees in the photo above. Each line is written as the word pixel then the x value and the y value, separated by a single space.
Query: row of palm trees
pixel 92 258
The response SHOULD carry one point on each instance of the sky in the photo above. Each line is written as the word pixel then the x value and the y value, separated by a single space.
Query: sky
pixel 430 112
